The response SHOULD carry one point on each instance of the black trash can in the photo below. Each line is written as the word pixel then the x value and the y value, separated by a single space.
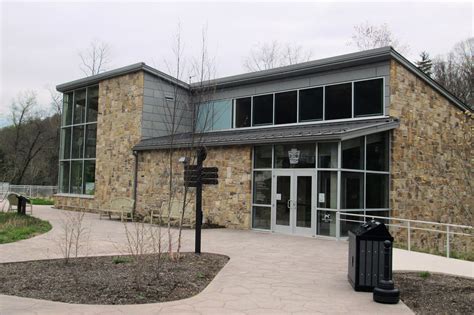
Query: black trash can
pixel 366 255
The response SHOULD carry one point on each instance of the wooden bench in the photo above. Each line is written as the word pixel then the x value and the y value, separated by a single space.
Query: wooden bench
pixel 122 207
pixel 176 207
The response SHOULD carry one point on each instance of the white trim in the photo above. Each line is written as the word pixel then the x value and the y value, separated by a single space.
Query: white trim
pixel 75 196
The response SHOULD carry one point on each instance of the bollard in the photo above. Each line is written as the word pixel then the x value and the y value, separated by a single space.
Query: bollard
pixel 385 292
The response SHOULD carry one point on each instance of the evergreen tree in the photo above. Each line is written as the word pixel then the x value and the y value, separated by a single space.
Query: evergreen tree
pixel 425 64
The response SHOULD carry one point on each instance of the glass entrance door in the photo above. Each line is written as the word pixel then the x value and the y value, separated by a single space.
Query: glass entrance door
pixel 293 204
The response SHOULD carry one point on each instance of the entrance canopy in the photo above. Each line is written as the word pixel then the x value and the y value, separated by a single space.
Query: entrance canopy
pixel 276 134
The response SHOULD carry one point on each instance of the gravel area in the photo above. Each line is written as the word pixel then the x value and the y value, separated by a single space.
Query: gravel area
pixel 430 293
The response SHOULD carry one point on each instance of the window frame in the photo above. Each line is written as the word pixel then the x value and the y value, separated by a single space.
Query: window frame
pixel 84 124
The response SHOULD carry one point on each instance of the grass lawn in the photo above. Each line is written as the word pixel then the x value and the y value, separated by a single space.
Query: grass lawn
pixel 15 227
pixel 41 201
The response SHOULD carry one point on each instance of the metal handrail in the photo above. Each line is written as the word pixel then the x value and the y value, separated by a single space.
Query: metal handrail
pixel 408 226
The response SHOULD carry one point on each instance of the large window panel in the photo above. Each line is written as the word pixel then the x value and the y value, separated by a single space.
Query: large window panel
pixel 262 156
pixel 327 189
pixel 222 115
pixel 65 143
pixel 353 153
pixel 78 142
pixel 368 97
pixel 377 152
pixel 92 103
pixel 327 152
pixel 338 101
pixel 376 191
pixel 286 107
pixel 89 177
pixel 295 156
pixel 311 104
pixel 64 176
pixel 262 187
pixel 79 106
pixel 262 110
pixel 261 217
pixel 243 109
pixel 204 117
pixel 91 140
pixel 67 109
pixel 76 177
pixel 352 190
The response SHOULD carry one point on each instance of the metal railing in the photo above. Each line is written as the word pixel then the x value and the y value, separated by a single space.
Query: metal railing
pixel 409 224
pixel 33 191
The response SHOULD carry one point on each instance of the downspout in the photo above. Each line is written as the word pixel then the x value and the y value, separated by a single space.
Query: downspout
pixel 135 183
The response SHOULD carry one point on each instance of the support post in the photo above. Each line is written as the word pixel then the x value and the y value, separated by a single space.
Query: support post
pixel 409 236
pixel 338 225
pixel 201 156
pixel 447 241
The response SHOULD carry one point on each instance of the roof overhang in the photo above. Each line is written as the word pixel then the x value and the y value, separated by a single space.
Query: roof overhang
pixel 141 66
pixel 330 131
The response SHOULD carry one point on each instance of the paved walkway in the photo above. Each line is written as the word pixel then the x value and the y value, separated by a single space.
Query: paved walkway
pixel 267 274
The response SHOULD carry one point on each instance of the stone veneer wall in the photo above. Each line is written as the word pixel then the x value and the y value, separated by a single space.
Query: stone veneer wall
pixel 227 204
pixel 118 130
pixel 432 155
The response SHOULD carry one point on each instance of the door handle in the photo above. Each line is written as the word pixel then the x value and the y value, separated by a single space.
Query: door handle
pixel 288 204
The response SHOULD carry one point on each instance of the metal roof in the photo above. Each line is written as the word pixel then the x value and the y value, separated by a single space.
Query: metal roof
pixel 310 67
pixel 276 134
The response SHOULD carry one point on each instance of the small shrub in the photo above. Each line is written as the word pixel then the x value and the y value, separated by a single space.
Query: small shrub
pixel 41 201
pixel 425 274
pixel 120 260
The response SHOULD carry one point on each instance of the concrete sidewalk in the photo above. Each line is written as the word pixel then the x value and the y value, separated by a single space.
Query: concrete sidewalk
pixel 267 273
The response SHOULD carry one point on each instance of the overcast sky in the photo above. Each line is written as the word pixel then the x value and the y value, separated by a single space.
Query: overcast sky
pixel 40 41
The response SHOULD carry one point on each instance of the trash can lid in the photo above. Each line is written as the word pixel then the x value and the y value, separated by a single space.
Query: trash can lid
pixel 373 230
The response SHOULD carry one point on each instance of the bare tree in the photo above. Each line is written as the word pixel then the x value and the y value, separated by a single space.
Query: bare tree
pixel 455 71
pixel 30 135
pixel 95 58
pixel 274 54
pixel 367 36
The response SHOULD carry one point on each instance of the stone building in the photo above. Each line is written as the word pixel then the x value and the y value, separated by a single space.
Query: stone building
pixel 365 133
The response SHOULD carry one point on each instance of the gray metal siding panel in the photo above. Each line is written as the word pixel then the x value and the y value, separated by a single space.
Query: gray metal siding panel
pixel 362 256
pixel 157 118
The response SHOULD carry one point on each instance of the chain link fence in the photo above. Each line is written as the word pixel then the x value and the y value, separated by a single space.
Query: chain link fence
pixel 32 191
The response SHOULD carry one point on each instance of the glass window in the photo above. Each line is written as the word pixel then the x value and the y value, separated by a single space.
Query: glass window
pixel 89 177
pixel 262 156
pixel 338 101
pixel 79 106
pixel 261 217
pixel 67 109
pixel 263 110
pixel 204 117
pixel 222 115
pixel 64 176
pixel 91 135
pixel 377 152
pixel 295 156
pixel 78 142
pixel 311 104
pixel 353 153
pixel 285 107
pixel 347 226
pixel 262 187
pixel 243 108
pixel 327 189
pixel 65 143
pixel 352 190
pixel 327 153
pixel 376 193
pixel 92 103
pixel 368 97
pixel 76 177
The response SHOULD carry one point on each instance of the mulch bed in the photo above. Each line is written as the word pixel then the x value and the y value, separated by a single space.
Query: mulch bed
pixel 111 279
pixel 426 293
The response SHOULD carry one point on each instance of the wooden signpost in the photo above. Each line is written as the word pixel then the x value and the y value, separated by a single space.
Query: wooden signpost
pixel 196 176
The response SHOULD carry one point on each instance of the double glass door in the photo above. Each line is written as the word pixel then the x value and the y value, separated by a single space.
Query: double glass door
pixel 293 206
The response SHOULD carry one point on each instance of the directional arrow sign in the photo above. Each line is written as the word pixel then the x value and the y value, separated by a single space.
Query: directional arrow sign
pixel 210 181
pixel 209 175
pixel 210 170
